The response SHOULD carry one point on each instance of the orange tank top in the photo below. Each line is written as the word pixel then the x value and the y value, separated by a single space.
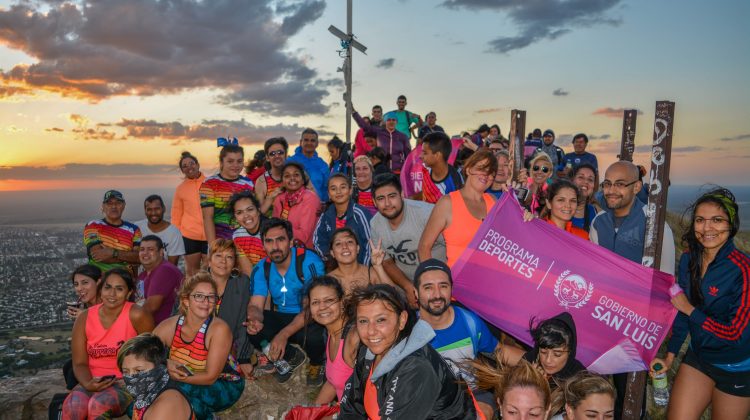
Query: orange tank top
pixel 102 343
pixel 463 226
pixel 372 408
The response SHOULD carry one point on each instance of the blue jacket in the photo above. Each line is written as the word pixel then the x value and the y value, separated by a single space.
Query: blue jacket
pixel 317 170
pixel 718 328
pixel 627 241
pixel 357 218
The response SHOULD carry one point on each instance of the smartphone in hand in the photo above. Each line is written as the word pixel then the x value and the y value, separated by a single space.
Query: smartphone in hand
pixel 107 378
pixel 186 370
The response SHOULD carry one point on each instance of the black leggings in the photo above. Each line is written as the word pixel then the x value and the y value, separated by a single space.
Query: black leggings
pixel 311 338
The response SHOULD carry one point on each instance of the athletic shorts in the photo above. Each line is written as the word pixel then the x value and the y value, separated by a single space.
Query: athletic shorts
pixel 732 383
pixel 193 246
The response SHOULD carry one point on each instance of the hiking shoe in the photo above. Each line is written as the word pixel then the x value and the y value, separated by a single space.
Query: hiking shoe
pixel 295 358
pixel 316 375
pixel 264 367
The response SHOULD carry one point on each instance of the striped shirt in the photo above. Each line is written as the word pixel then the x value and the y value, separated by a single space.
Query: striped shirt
pixel 215 192
pixel 249 245
pixel 122 237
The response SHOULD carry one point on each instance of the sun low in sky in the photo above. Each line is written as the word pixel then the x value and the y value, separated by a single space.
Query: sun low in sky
pixel 106 94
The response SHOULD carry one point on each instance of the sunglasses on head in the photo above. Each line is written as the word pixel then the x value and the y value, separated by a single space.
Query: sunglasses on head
pixel 542 168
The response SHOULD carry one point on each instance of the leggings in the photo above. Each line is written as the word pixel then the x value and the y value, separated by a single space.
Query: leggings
pixel 208 399
pixel 108 403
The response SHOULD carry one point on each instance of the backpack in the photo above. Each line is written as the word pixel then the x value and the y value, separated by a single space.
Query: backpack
pixel 471 325
pixel 55 406
pixel 298 261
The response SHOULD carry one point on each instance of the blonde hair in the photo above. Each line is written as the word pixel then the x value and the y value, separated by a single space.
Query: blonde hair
pixel 190 284
pixel 500 378
pixel 584 383
pixel 540 156
pixel 365 159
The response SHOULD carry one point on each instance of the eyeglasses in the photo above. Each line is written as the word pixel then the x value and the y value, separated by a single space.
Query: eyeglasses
pixel 540 168
pixel 276 153
pixel 200 297
pixel 617 184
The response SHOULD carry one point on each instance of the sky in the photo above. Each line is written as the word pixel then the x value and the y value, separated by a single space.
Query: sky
pixel 106 94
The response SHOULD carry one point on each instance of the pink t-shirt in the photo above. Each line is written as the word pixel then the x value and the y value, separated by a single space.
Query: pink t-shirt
pixel 102 344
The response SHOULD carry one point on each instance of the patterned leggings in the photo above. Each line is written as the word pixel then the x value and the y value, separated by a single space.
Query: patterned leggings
pixel 105 404
pixel 208 399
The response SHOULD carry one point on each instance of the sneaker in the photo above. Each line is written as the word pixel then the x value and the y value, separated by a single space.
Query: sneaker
pixel 264 367
pixel 316 375
pixel 296 357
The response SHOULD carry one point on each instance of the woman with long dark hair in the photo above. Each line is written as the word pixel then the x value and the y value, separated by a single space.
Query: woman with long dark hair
pixel 714 309
pixel 340 159
pixel 297 204
pixel 397 373
pixel 246 211
pixel 585 177
pixel 346 269
pixel 86 280
pixel 326 307
pixel 560 204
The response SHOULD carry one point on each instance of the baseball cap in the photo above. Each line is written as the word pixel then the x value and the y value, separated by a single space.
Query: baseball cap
pixel 548 132
pixel 430 265
pixel 113 194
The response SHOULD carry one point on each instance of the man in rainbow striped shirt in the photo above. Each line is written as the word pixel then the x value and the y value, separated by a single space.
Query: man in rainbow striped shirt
pixel 112 242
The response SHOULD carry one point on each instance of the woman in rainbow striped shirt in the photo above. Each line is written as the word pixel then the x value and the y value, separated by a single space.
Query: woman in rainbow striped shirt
pixel 199 349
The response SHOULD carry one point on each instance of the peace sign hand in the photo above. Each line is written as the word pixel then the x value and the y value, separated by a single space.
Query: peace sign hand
pixel 377 255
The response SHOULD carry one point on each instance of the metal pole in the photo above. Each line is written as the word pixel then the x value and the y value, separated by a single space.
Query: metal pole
pixel 517 134
pixel 627 144
pixel 656 216
pixel 348 72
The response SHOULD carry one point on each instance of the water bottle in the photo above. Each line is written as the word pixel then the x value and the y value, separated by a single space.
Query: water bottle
pixel 661 387
pixel 281 365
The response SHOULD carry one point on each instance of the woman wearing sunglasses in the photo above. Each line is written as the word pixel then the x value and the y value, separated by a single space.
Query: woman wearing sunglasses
pixel 199 349
pixel 539 175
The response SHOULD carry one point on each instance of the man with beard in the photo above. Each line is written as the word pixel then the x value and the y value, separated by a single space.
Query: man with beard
pixel 154 224
pixel 621 228
pixel 112 242
pixel 285 275
pixel 399 224
pixel 460 335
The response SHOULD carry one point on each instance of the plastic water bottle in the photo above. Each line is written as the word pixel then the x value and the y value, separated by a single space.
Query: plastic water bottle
pixel 661 387
pixel 281 365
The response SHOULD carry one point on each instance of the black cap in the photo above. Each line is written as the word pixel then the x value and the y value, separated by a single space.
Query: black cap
pixel 113 194
pixel 430 265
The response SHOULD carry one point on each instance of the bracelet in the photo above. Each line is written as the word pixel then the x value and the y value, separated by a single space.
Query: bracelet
pixel 116 254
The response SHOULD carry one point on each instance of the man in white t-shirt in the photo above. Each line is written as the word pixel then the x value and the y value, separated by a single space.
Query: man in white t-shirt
pixel 154 224
pixel 399 224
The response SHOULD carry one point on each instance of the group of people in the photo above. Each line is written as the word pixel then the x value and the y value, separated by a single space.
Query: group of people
pixel 347 264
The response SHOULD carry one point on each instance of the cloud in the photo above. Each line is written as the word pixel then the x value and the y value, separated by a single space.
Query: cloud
pixel 688 149
pixel 143 129
pixel 81 170
pixel 488 110
pixel 55 129
pixel 109 48
pixel 539 20
pixel 560 92
pixel 601 137
pixel 612 112
pixel 737 137
pixel 385 63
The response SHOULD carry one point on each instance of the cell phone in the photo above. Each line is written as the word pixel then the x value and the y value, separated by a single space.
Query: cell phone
pixel 186 370
pixel 107 378
pixel 522 194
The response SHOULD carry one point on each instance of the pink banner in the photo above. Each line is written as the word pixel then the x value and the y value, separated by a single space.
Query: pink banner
pixel 411 171
pixel 512 271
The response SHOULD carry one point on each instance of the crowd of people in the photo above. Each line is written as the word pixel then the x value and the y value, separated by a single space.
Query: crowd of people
pixel 346 264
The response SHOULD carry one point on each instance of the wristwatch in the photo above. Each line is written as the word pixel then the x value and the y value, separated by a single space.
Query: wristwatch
pixel 116 254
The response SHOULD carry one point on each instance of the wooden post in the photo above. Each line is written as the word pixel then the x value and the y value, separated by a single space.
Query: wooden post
pixel 656 216
pixel 517 136
pixel 627 145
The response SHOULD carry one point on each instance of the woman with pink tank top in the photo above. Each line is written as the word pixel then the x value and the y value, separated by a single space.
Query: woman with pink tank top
pixel 459 214
pixel 326 305
pixel 98 333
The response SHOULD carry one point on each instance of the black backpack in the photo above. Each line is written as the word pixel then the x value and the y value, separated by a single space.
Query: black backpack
pixel 298 261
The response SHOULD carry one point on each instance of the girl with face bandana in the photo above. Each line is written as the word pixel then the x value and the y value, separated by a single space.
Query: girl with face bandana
pixel 142 361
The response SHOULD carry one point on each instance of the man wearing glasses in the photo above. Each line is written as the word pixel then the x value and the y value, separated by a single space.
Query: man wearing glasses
pixel 267 187
pixel 621 228
pixel 284 275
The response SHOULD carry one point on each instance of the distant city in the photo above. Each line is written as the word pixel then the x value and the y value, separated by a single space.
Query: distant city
pixel 35 267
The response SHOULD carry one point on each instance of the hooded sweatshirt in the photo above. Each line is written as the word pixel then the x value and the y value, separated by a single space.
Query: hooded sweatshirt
pixel 572 366
pixel 316 168
pixel 412 381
